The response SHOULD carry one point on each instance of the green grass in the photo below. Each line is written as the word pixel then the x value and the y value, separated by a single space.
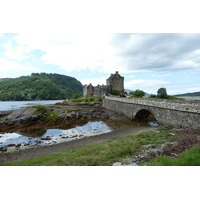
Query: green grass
pixel 49 115
pixel 191 157
pixel 167 97
pixel 86 100
pixel 100 154
pixel 40 108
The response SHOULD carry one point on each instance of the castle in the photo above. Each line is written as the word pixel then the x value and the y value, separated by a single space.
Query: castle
pixel 114 82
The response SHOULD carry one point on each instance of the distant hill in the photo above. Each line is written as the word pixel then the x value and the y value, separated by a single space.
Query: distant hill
pixel 188 94
pixel 39 87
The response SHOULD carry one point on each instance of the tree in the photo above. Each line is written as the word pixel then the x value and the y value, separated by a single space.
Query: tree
pixel 162 93
pixel 116 92
pixel 76 96
pixel 138 93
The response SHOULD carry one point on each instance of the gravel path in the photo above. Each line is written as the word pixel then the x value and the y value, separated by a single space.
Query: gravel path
pixel 38 151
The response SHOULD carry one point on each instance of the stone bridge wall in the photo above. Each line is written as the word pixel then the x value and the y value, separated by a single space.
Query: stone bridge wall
pixel 170 112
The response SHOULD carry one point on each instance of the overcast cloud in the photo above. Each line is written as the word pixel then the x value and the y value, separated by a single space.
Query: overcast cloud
pixel 147 61
pixel 158 52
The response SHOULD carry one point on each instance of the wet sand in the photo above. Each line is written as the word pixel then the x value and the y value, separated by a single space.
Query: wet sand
pixel 38 151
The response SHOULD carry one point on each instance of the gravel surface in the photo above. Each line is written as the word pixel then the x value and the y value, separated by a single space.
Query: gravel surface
pixel 38 151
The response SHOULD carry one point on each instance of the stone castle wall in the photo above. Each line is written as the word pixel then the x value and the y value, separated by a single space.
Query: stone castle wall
pixel 115 81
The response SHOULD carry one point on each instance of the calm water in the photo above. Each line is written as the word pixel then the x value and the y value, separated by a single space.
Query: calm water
pixel 192 98
pixel 13 105
pixel 52 136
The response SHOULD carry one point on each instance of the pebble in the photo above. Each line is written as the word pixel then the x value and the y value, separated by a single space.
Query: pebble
pixel 121 164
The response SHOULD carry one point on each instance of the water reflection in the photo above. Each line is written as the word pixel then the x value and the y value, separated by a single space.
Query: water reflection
pixel 20 140
pixel 33 133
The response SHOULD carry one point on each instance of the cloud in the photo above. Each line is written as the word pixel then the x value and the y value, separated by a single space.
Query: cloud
pixel 94 81
pixel 15 52
pixel 145 83
pixel 102 52
pixel 77 51
pixel 158 52
pixel 160 76
pixel 7 65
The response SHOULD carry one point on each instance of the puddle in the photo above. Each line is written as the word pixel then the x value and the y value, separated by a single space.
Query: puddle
pixel 153 123
pixel 15 141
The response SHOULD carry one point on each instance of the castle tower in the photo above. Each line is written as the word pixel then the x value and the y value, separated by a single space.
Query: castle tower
pixel 88 90
pixel 116 81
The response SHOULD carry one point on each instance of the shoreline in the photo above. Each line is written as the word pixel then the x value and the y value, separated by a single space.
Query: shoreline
pixel 39 151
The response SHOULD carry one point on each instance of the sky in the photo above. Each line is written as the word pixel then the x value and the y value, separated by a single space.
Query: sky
pixel 153 44
pixel 147 61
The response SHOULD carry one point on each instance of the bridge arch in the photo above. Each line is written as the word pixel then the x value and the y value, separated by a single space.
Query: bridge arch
pixel 145 115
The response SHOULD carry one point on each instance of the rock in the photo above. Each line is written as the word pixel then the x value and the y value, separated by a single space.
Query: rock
pixel 18 145
pixel 3 148
pixel 10 145
pixel 133 164
pixel 117 164
pixel 65 137
pixel 22 115
pixel 46 138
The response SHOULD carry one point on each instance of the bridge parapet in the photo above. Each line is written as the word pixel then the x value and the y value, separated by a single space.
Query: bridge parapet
pixel 181 105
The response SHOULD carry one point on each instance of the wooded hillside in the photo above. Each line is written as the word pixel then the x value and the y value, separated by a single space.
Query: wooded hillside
pixel 39 87
pixel 189 94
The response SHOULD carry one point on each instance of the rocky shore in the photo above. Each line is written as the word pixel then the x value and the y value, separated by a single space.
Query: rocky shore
pixel 29 153
pixel 187 138
pixel 33 122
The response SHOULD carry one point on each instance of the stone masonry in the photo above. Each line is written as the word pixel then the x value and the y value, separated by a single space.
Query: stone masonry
pixel 178 113
pixel 115 81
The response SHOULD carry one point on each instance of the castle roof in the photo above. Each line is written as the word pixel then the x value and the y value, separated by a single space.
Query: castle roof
pixel 115 76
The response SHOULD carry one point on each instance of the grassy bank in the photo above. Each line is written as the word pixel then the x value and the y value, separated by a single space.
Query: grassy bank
pixel 104 153
pixel 86 100
pixel 191 157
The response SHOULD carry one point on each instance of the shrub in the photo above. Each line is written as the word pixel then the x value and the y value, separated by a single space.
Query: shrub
pixel 116 92
pixel 40 108
pixel 138 93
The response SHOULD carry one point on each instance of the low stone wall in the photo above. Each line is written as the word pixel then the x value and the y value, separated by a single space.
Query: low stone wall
pixel 182 105
pixel 172 112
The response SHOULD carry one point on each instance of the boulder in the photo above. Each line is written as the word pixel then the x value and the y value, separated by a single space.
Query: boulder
pixel 22 115
pixel 10 145
pixel 46 138
pixel 3 148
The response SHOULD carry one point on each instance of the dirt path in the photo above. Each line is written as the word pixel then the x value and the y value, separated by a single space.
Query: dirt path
pixel 34 152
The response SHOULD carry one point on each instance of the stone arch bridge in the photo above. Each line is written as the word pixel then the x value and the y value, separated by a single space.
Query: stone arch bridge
pixel 178 113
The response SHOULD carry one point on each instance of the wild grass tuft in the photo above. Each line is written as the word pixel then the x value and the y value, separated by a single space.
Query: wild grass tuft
pixel 40 108
pixel 190 157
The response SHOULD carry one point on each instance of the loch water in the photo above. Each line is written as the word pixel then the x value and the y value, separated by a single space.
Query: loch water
pixel 17 140
pixel 14 105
